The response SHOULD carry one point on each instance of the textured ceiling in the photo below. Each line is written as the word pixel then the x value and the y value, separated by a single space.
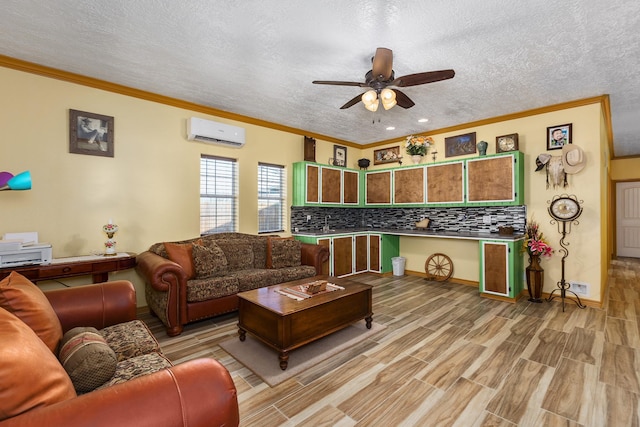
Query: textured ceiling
pixel 258 58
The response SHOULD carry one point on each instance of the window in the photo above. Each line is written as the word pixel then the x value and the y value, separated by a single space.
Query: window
pixel 271 191
pixel 218 194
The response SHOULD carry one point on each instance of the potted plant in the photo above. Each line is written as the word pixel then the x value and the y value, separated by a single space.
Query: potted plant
pixel 536 246
pixel 418 146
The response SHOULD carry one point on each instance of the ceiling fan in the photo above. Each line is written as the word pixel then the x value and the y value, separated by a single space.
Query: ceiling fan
pixel 381 76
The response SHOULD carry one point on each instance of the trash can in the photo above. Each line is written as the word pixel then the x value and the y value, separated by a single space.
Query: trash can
pixel 398 265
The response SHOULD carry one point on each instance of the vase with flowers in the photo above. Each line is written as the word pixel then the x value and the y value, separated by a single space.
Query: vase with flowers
pixel 536 246
pixel 417 147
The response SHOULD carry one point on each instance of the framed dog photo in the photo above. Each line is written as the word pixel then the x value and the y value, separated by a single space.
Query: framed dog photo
pixel 90 133
pixel 558 136
pixel 386 155
pixel 339 155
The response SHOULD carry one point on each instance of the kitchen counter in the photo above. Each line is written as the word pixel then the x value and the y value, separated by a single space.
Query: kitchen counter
pixel 467 235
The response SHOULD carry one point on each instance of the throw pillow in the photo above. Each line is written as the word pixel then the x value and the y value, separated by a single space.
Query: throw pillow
pixel 24 299
pixel 30 374
pixel 239 253
pixel 284 253
pixel 182 254
pixel 87 358
pixel 209 261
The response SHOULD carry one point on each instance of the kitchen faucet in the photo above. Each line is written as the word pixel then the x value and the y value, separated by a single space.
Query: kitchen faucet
pixel 326 223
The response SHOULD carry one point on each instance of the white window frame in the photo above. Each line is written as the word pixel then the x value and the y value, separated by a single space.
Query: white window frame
pixel 272 195
pixel 218 194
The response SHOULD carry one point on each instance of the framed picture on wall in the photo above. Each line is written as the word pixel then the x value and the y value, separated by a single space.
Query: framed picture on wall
pixel 90 133
pixel 460 145
pixel 339 155
pixel 558 136
pixel 386 155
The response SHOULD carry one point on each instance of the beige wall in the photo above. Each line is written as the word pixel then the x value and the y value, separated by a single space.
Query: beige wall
pixel 585 263
pixel 150 188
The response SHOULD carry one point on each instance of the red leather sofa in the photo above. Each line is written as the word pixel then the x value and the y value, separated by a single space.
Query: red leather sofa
pixel 195 393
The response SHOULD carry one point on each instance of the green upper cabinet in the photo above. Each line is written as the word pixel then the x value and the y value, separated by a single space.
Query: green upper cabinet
pixel 492 180
pixel 377 188
pixel 445 183
pixel 323 185
pixel 495 180
pixel 409 186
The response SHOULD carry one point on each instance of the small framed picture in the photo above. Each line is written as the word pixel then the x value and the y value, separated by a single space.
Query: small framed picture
pixel 460 145
pixel 339 155
pixel 90 133
pixel 386 155
pixel 558 136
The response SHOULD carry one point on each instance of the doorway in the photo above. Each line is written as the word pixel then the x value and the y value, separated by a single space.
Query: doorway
pixel 628 219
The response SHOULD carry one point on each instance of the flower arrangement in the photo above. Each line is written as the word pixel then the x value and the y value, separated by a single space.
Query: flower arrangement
pixel 418 145
pixel 535 243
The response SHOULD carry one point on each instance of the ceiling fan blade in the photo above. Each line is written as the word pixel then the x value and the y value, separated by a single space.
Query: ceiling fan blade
pixel 338 83
pixel 422 78
pixel 353 102
pixel 382 64
pixel 403 100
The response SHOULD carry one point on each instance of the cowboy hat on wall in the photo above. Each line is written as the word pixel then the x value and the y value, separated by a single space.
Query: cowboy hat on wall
pixel 572 161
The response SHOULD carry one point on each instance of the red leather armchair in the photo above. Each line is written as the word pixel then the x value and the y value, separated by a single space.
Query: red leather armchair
pixel 196 393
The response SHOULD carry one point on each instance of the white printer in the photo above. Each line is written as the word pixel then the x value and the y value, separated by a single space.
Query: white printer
pixel 19 249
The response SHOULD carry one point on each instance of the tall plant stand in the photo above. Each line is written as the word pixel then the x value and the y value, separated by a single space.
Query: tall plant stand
pixel 565 210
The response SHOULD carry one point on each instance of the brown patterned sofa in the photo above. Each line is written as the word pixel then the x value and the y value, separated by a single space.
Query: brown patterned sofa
pixel 42 384
pixel 200 277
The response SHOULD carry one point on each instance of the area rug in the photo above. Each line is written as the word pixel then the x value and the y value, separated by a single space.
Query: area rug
pixel 263 360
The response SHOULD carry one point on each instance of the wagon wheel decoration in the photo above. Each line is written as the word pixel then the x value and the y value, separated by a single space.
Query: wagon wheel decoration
pixel 438 267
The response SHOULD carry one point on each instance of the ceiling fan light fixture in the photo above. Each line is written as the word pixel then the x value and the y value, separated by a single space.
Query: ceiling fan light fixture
pixel 369 97
pixel 388 98
pixel 373 106
pixel 370 100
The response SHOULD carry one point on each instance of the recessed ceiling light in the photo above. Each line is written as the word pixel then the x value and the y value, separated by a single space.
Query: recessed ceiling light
pixel 390 127
pixel 423 120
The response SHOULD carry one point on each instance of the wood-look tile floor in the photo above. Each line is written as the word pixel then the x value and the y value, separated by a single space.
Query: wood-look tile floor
pixel 451 358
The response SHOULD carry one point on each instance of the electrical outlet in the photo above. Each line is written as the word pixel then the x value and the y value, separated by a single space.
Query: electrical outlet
pixel 579 288
pixel 308 218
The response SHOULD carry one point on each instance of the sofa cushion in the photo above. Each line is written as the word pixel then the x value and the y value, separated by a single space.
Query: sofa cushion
pixel 271 239
pixel 30 374
pixel 181 254
pixel 87 358
pixel 256 278
pixel 136 367
pixel 130 339
pixel 210 288
pixel 239 253
pixel 284 253
pixel 24 299
pixel 289 274
pixel 259 245
pixel 209 261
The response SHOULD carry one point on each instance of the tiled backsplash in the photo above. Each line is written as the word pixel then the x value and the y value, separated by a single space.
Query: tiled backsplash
pixel 482 219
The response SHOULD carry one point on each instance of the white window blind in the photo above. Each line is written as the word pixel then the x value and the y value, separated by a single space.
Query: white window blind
pixel 218 194
pixel 271 198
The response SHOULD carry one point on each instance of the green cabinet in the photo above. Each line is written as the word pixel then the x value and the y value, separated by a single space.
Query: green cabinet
pixel 354 253
pixel 495 180
pixel 315 184
pixel 501 270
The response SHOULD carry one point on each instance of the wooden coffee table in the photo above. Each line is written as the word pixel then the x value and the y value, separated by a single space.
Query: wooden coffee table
pixel 285 324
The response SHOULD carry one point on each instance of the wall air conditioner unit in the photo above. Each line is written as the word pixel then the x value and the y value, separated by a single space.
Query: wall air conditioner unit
pixel 212 132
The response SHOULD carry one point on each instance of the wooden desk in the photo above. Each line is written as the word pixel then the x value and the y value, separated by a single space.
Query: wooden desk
pixel 97 266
